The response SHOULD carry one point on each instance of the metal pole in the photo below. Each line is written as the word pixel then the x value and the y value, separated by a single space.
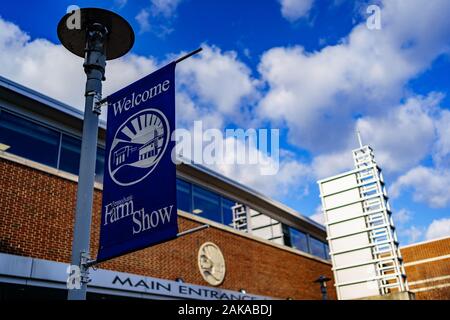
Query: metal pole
pixel 323 289
pixel 322 280
pixel 358 133
pixel 94 67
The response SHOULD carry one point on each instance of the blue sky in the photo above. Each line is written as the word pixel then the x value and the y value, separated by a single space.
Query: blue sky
pixel 310 68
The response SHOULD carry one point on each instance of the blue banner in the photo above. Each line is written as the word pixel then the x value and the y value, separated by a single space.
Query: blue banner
pixel 139 189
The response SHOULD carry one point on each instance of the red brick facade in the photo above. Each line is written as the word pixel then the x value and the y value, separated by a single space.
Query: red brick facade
pixel 428 269
pixel 36 220
pixel 37 215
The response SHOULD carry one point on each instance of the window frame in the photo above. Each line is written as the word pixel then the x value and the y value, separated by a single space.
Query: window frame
pixel 60 131
pixel 207 188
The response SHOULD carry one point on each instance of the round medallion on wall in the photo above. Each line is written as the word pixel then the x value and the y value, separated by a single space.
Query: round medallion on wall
pixel 211 263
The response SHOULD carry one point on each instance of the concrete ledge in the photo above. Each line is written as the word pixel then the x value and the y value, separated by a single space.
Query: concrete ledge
pixel 406 295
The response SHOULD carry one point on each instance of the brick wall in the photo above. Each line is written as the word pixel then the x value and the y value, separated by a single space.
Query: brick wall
pixel 428 269
pixel 37 216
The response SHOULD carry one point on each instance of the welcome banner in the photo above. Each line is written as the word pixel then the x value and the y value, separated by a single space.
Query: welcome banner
pixel 139 189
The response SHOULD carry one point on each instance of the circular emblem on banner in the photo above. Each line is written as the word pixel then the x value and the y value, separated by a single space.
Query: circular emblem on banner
pixel 211 263
pixel 138 146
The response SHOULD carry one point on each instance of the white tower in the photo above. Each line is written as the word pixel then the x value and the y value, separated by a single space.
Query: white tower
pixel 361 234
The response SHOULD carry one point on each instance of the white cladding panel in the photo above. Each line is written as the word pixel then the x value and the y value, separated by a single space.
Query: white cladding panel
pixel 260 221
pixel 277 230
pixel 350 242
pixel 353 257
pixel 265 233
pixel 347 227
pixel 253 212
pixel 356 274
pixel 351 216
pixel 342 213
pixel 359 290
pixel 341 199
pixel 338 185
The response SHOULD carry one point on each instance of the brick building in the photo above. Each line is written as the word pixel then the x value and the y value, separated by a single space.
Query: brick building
pixel 427 266
pixel 271 252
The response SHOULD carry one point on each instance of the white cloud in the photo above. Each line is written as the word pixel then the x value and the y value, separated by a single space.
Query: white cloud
pixel 120 3
pixel 268 174
pixel 52 70
pixel 438 229
pixel 40 65
pixel 161 12
pixel 330 164
pixel 213 87
pixel 318 217
pixel 218 80
pixel 164 7
pixel 291 180
pixel 413 234
pixel 142 19
pixel 429 185
pixel 441 152
pixel 318 95
pixel 188 111
pixel 324 96
pixel 401 137
pixel 404 135
pixel 402 216
pixel 293 10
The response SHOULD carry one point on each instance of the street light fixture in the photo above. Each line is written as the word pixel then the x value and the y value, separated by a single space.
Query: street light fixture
pixel 101 35
pixel 323 286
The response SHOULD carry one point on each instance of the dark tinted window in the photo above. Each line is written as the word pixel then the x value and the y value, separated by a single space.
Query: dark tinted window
pixel 318 248
pixel 69 160
pixel 100 165
pixel 184 198
pixel 295 238
pixel 227 211
pixel 327 251
pixel 70 157
pixel 28 139
pixel 206 204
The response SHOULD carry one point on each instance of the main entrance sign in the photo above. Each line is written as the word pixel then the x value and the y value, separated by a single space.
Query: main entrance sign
pixel 139 189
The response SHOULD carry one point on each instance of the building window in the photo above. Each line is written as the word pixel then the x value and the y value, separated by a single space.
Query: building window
pixel 69 159
pixel 28 139
pixel 100 165
pixel 39 143
pixel 227 211
pixel 184 196
pixel 206 204
pixel 295 238
pixel 318 248
pixel 327 251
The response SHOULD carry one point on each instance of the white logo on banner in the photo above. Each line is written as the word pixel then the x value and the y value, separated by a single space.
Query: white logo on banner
pixel 138 146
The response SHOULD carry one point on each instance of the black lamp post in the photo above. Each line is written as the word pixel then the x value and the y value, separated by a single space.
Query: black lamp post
pixel 323 286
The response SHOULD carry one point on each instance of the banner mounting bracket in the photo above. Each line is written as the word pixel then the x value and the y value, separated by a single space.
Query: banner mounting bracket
pixel 88 263
pixel 190 54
